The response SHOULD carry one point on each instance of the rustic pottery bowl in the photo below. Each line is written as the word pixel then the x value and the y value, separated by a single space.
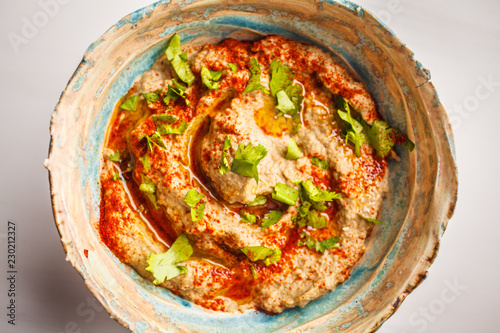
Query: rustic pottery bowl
pixel 423 183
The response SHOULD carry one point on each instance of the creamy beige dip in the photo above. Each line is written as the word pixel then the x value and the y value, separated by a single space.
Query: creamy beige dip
pixel 219 275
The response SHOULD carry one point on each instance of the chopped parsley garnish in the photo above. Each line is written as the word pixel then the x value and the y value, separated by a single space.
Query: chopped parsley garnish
pixel 179 60
pixel 267 255
pixel 149 188
pixel 372 220
pixel 116 176
pixel 248 217
pixel 270 218
pixel 164 124
pixel 223 169
pixel 174 92
pixel 151 97
pixel 233 67
pixel 288 95
pixel 246 160
pixel 293 152
pixel 210 78
pixel 145 162
pixel 315 194
pixel 258 201
pixel 322 164
pixel 380 136
pixel 254 82
pixel 164 266
pixel 354 130
pixel 115 157
pixel 286 194
pixel 193 199
pixel 314 244
pixel 154 139
pixel 131 103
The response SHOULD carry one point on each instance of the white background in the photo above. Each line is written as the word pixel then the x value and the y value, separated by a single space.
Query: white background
pixel 459 41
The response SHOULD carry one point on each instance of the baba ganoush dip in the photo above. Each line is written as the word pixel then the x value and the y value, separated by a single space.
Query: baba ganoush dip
pixel 244 175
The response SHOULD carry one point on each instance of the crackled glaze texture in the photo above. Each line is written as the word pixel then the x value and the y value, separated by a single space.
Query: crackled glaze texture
pixel 423 184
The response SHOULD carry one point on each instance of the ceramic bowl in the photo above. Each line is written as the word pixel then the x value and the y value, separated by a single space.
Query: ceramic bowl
pixel 423 184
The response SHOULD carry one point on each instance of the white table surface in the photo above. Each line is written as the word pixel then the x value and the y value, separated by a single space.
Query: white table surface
pixel 459 41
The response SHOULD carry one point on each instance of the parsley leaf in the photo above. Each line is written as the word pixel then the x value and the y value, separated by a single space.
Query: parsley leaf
pixel 286 194
pixel 154 139
pixel 382 138
pixel 193 199
pixel 115 157
pixel 270 218
pixel 293 152
pixel 247 217
pixel 320 163
pixel 116 176
pixel 131 103
pixel 233 67
pixel 288 95
pixel 258 201
pixel 269 256
pixel 355 132
pixel 372 220
pixel 164 124
pixel 246 160
pixel 315 194
pixel 254 82
pixel 179 60
pixel 210 78
pixel 145 162
pixel 164 266
pixel 320 246
pixel 223 169
pixel 174 92
pixel 149 188
pixel 151 97
pixel 285 105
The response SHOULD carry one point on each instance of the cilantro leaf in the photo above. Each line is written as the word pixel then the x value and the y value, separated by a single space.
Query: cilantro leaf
pixel 164 266
pixel 255 253
pixel 164 124
pixel 281 77
pixel 151 97
pixel 381 137
pixel 246 160
pixel 179 60
pixel 115 157
pixel 258 201
pixel 116 176
pixel 193 199
pixel 286 194
pixel 154 139
pixel 149 188
pixel 293 152
pixel 316 194
pixel 270 218
pixel 254 82
pixel 174 92
pixel 285 105
pixel 145 162
pixel 308 217
pixel 210 78
pixel 372 220
pixel 233 67
pixel 224 168
pixel 247 217
pixel 320 163
pixel 131 103
pixel 354 128
pixel 314 244
pixel 288 95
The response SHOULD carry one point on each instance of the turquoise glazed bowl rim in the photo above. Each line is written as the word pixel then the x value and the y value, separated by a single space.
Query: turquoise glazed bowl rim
pixel 424 183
